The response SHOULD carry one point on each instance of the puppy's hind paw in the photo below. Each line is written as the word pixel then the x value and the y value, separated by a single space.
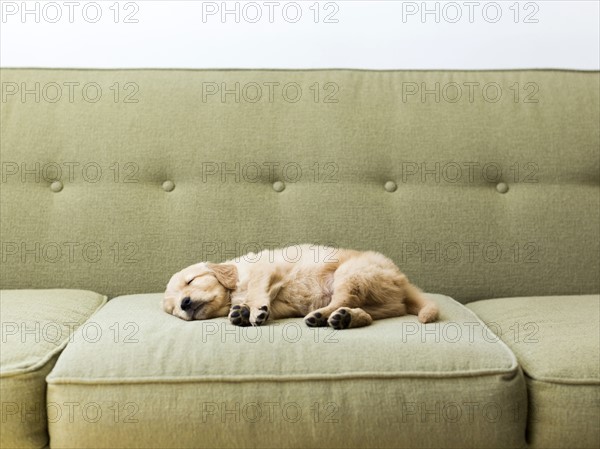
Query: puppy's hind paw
pixel 341 318
pixel 315 319
pixel 345 318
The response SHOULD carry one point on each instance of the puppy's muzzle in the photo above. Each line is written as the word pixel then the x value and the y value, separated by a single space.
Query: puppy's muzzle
pixel 186 303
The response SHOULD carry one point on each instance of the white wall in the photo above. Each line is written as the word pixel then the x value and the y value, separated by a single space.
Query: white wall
pixel 359 34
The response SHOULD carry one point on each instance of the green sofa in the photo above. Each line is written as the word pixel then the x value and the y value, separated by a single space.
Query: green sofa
pixel 484 187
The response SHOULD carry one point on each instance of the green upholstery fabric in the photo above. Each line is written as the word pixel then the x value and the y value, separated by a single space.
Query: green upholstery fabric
pixel 556 341
pixel 36 326
pixel 170 383
pixel 113 229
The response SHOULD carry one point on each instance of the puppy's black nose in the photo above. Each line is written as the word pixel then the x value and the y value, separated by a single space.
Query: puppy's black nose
pixel 186 303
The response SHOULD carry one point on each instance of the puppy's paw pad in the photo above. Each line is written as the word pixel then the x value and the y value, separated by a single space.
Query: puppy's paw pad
pixel 239 315
pixel 340 319
pixel 315 319
pixel 259 316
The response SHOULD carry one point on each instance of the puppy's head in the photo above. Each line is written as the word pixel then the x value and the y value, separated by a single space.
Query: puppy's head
pixel 200 291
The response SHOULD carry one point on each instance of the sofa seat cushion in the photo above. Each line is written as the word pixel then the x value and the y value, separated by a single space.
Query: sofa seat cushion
pixel 557 342
pixel 36 326
pixel 162 382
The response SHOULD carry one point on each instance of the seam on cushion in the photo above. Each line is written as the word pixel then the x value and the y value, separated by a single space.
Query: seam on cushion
pixel 40 364
pixel 329 69
pixel 272 378
pixel 595 295
pixel 560 381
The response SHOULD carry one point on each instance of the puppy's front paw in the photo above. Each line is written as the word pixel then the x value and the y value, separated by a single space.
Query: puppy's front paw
pixel 341 318
pixel 239 315
pixel 244 315
pixel 259 316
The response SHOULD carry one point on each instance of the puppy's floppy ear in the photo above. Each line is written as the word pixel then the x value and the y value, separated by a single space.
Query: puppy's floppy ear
pixel 226 274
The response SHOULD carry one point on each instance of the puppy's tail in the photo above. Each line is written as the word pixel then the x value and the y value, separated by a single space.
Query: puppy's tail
pixel 418 304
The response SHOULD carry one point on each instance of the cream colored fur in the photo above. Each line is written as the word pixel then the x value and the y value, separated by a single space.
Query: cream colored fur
pixel 328 286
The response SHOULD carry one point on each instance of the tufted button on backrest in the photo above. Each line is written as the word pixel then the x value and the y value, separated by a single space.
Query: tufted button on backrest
pixel 502 187
pixel 168 186
pixel 390 186
pixel 278 186
pixel 56 186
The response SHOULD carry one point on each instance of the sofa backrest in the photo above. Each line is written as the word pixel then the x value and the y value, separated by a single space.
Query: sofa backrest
pixel 478 184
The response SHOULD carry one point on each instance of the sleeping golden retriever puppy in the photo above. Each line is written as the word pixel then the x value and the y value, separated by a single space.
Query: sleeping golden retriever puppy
pixel 328 286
